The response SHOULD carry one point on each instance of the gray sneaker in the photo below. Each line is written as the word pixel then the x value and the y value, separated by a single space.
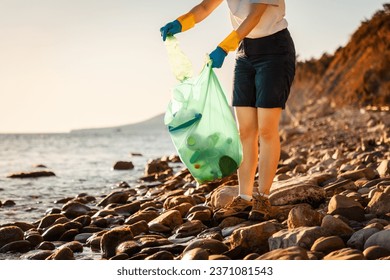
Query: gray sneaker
pixel 261 208
pixel 237 207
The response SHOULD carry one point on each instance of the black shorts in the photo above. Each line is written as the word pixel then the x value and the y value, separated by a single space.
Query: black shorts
pixel 264 71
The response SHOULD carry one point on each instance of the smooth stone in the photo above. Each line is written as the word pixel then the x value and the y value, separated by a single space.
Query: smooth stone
pixel 379 204
pixel 37 255
pixel 375 252
pixel 46 245
pixel 20 246
pixel 302 236
pixel 73 225
pixel 111 239
pixel 69 235
pixel 328 244
pixel 61 254
pixel 303 216
pixel 218 257
pixel 222 196
pixel 139 228
pixel 84 220
pixel 83 237
pixel 32 174
pixel 202 215
pixel 254 238
pixel 345 254
pixel 22 225
pixel 368 173
pixel 230 222
pixel 129 247
pixel 120 257
pixel 54 232
pixel 128 209
pixel 34 239
pixel 9 234
pixel 190 228
pixel 114 197
pixel 195 254
pixel 212 246
pixel 144 215
pixel 290 253
pixel 154 166
pixel 381 238
pixel 183 208
pixel 335 226
pixel 384 168
pixel 49 220
pixel 346 207
pixel 359 238
pixel 75 246
pixel 251 256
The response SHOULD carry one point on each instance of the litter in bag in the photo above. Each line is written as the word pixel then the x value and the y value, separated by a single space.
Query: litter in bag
pixel 201 125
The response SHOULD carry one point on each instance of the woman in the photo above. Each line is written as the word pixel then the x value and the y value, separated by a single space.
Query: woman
pixel 264 71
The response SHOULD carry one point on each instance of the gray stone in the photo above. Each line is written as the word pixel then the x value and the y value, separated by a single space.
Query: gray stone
pixel 381 238
pixel 359 238
pixel 302 236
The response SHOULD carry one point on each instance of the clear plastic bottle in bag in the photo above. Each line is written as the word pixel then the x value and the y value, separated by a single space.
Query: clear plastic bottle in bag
pixel 180 64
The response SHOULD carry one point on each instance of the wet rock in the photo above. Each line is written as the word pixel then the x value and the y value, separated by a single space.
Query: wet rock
pixel 130 248
pixel 123 165
pixel 74 209
pixel 381 238
pixel 335 226
pixel 379 204
pixel 21 246
pixel 359 238
pixel 144 215
pixel 196 254
pixel 31 174
pixel 128 209
pixel 9 203
pixel 346 207
pixel 212 246
pixel 139 228
pixel 54 232
pixel 111 239
pixel 10 234
pixel 254 238
pixel 34 238
pixel 83 237
pixel 68 235
pixel 37 255
pixel 169 219
pixel 345 254
pixel 303 216
pixel 328 244
pixel 375 252
pixel 63 253
pixel 290 253
pixel 46 245
pixel 75 246
pixel 302 236
pixel 156 166
pixel 230 222
pixel 201 215
pixel 190 228
pixel 114 197
pixel 183 208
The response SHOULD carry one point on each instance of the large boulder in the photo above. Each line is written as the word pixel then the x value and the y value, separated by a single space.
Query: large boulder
pixel 347 207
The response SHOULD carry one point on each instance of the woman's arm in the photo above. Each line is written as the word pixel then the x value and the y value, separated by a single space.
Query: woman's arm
pixel 256 12
pixel 204 9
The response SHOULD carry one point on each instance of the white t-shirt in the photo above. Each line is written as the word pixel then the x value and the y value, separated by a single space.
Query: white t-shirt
pixel 271 21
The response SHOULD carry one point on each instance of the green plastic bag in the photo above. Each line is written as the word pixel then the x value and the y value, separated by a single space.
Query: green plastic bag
pixel 201 123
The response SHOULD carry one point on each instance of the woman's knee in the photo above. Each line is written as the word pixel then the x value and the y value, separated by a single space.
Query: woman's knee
pixel 268 131
pixel 248 133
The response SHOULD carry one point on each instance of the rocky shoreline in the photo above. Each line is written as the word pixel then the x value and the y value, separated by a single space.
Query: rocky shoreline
pixel 331 201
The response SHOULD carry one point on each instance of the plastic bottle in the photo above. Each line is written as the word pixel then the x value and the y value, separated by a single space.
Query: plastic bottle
pixel 180 64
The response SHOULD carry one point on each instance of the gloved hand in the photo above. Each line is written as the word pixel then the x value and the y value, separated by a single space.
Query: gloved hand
pixel 170 29
pixel 217 57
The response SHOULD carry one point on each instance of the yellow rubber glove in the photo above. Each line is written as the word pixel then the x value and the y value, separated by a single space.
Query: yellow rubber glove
pixel 187 21
pixel 230 43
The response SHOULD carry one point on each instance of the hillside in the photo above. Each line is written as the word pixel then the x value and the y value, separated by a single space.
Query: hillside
pixel 355 75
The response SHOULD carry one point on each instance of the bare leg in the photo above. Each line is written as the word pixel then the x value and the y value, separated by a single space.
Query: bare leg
pixel 248 128
pixel 268 121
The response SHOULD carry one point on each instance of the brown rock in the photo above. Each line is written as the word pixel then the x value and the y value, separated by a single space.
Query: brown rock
pixel 144 215
pixel 37 255
pixel 123 165
pixel 170 219
pixel 16 246
pixel 327 244
pixel 345 254
pixel 73 209
pixel 162 255
pixel 156 166
pixel 75 246
pixel 201 215
pixel 254 237
pixel 9 234
pixel 62 254
pixel 32 174
pixel 129 247
pixel 335 226
pixel 49 220
pixel 46 245
pixel 290 253
pixel 376 252
pixel 54 233
pixel 218 257
pixel 302 236
pixel 190 228
pixel 177 200
pixel 212 246
pixel 114 197
pixel 379 203
pixel 111 239
pixel 346 207
pixel 34 238
pixel 128 209
pixel 84 220
pixel 303 216
pixel 222 196
pixel 368 173
pixel 183 208
pixel 196 254
pixel 384 168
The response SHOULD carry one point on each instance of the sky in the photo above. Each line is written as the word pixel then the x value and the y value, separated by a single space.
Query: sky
pixel 72 64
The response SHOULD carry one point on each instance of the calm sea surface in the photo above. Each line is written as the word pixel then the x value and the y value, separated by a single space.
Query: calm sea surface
pixel 82 163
